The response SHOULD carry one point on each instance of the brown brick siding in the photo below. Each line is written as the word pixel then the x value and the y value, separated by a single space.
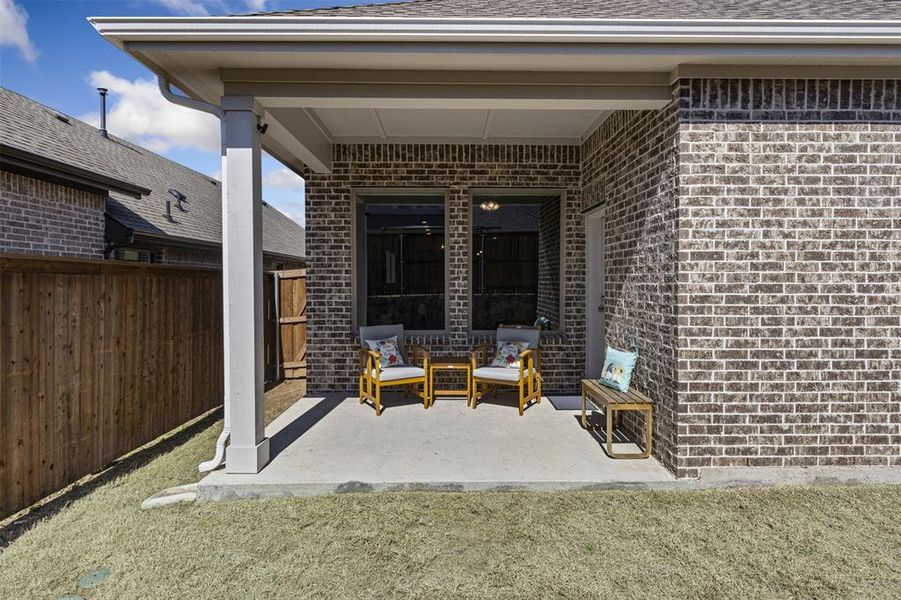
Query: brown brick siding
pixel 548 301
pixel 802 101
pixel 790 273
pixel 39 217
pixel 630 164
pixel 457 169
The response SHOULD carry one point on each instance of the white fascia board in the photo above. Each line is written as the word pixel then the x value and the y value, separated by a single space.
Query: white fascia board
pixel 394 29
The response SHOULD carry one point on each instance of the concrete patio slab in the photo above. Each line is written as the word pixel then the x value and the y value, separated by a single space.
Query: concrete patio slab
pixel 333 444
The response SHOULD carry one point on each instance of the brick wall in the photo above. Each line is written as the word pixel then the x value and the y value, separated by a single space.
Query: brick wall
pixel 455 169
pixel 630 164
pixel 548 301
pixel 789 273
pixel 38 217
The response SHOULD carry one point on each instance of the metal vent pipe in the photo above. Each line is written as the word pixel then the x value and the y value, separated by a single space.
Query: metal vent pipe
pixel 103 93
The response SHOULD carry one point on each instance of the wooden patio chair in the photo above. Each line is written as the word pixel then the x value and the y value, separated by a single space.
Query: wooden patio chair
pixel 527 378
pixel 373 377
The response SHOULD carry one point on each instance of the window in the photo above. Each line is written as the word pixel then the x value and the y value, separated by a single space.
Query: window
pixel 136 255
pixel 515 260
pixel 401 260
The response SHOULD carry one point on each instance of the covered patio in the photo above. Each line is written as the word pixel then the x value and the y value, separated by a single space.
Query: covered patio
pixel 361 115
pixel 626 142
pixel 331 444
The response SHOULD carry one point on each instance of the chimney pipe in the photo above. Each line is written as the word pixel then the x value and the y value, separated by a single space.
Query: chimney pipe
pixel 103 92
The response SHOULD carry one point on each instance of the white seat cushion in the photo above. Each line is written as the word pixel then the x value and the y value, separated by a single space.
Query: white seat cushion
pixel 497 374
pixel 395 373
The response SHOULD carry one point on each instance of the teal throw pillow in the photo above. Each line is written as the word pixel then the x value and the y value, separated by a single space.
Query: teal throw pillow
pixel 618 367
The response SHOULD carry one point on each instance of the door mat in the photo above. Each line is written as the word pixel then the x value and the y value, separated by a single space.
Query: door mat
pixel 566 402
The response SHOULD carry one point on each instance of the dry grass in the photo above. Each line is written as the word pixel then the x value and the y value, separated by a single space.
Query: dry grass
pixel 282 396
pixel 824 542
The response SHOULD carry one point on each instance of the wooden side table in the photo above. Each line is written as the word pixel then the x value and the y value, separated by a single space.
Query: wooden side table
pixel 450 364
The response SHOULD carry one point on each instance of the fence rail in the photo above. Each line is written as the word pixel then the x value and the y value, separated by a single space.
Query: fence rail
pixel 98 358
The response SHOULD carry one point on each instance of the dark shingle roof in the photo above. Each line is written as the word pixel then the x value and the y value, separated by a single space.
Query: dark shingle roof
pixel 621 9
pixel 31 127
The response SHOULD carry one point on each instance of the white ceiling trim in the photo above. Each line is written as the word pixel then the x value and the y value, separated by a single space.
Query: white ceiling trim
pixel 377 121
pixel 337 95
pixel 303 138
pixel 489 121
pixel 432 139
pixel 442 76
pixel 318 122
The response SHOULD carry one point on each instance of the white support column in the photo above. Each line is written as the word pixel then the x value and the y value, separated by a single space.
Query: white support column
pixel 242 280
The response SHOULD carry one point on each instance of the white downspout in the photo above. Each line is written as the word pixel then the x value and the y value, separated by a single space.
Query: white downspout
pixel 165 89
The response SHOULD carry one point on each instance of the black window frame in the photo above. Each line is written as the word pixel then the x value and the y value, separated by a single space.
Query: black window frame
pixel 359 196
pixel 499 193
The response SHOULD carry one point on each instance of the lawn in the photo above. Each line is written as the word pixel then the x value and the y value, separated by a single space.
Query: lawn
pixel 823 542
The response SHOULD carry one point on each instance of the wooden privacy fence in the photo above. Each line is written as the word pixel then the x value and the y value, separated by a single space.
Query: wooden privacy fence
pixel 98 358
pixel 291 294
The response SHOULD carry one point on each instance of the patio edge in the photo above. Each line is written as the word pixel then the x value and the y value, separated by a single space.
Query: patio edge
pixel 710 479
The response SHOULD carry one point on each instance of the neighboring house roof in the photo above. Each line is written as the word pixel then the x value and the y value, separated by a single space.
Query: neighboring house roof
pixel 619 9
pixel 29 127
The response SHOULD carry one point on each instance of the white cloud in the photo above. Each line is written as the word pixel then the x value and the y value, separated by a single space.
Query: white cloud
pixel 201 8
pixel 138 112
pixel 292 207
pixel 284 190
pixel 13 31
pixel 192 8
pixel 276 179
pixel 283 179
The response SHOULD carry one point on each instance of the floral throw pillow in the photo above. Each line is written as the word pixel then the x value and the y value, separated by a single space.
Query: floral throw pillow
pixel 508 354
pixel 391 356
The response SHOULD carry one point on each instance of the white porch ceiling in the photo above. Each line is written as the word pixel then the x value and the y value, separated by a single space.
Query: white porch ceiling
pixel 350 125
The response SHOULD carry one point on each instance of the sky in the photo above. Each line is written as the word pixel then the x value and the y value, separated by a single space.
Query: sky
pixel 50 53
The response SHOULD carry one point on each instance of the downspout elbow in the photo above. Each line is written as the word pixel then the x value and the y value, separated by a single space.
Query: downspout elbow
pixel 168 94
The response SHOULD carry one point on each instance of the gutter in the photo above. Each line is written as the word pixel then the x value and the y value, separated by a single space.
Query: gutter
pixel 162 239
pixel 392 29
pixel 41 166
pixel 165 239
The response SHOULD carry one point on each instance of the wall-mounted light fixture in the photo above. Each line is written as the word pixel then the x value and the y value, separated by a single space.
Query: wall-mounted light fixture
pixel 489 205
